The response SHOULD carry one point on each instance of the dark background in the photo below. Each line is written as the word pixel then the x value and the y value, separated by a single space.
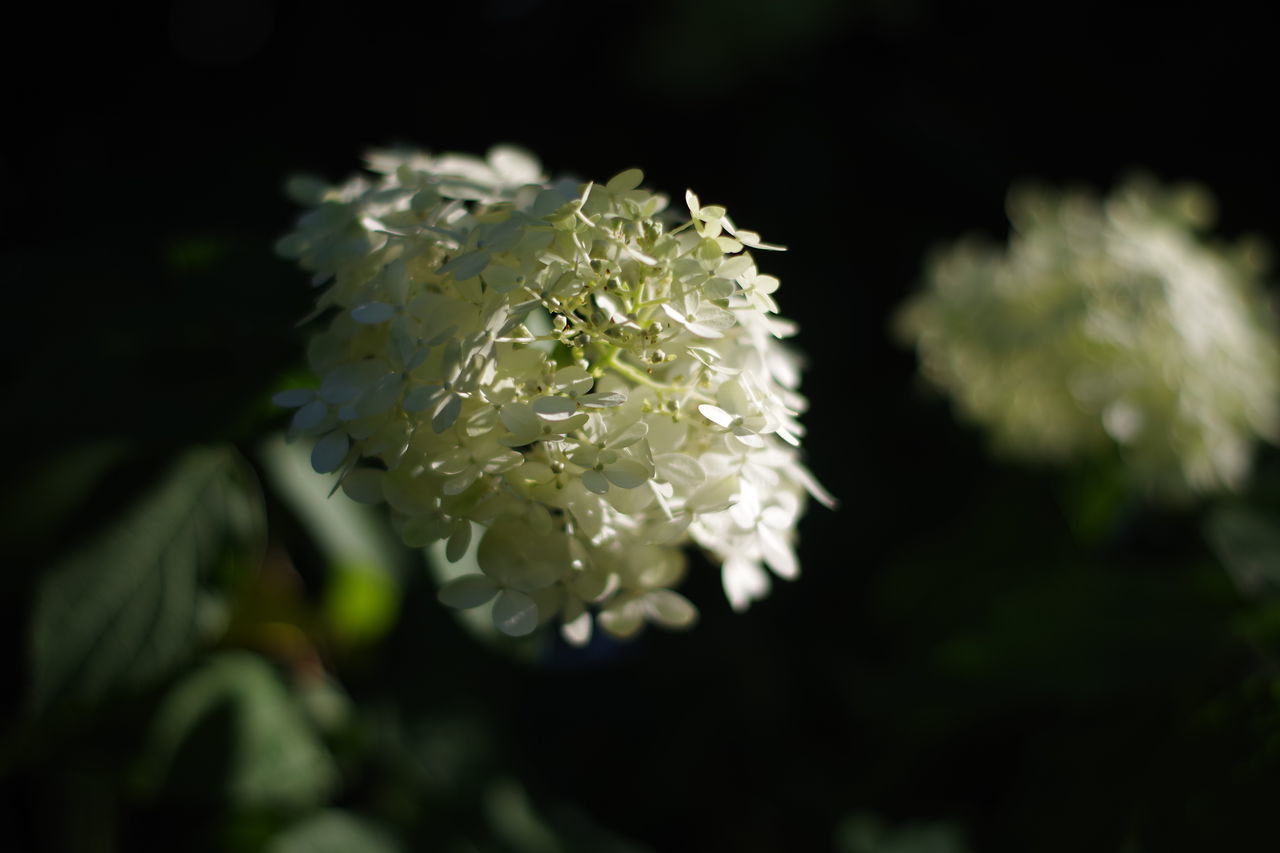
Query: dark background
pixel 1018 653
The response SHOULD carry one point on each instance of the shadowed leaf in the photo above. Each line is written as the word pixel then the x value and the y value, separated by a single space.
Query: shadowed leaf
pixel 124 609
pixel 231 730
pixel 335 831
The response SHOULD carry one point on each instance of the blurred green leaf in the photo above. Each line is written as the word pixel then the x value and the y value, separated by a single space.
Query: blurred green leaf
pixel 196 252
pixel 446 755
pixel 326 703
pixel 361 602
pixel 866 834
pixel 1095 495
pixel 1259 623
pixel 125 608
pixel 55 487
pixel 231 730
pixel 335 831
pixel 1248 544
pixel 362 596
pixel 514 819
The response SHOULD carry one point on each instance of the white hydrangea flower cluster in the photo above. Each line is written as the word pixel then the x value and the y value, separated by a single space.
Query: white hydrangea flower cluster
pixel 1109 322
pixel 567 369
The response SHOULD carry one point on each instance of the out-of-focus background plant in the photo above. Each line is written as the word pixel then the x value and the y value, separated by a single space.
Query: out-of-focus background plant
pixel 207 651
pixel 1109 326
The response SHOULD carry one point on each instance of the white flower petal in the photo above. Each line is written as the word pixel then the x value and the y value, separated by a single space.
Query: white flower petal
pixel 628 435
pixel 420 398
pixel 520 420
pixel 577 631
pixel 330 452
pixel 293 398
pixel 627 473
pixel 515 165
pixel 744 581
pixel 625 181
pixel 459 483
pixel 514 613
pixel 715 317
pixel 573 380
pixel 735 267
pixel 372 313
pixel 670 609
pixel 622 617
pixel 777 553
pixel 595 481
pixel 466 266
pixel 553 406
pixel 446 414
pixel 702 330
pixel 467 591
pixel 459 540
pixel 502 278
pixel 691 201
pixel 716 415
pixel 338 388
pixel 364 485
pixel 310 416
pixel 680 469
pixel 603 401
pixel 765 284
pixel 674 314
pixel 715 495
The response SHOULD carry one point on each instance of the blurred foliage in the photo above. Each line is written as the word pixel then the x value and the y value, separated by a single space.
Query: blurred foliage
pixel 334 831
pixel 127 607
pixel 866 834
pixel 363 561
pixel 230 730
pixel 1108 325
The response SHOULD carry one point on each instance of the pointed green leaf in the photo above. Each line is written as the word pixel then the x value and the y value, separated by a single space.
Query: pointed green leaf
pixel 231 730
pixel 121 611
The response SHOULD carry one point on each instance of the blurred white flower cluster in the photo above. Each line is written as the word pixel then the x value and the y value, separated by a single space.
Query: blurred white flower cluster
pixel 1109 322
pixel 580 377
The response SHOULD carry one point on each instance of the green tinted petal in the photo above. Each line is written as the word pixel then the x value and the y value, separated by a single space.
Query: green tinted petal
pixel 595 481
pixel 625 181
pixel 552 406
pixel 514 613
pixel 627 473
pixel 372 313
pixel 623 617
pixel 670 609
pixel 577 631
pixel 467 591
pixel 330 452
pixel 293 398
pixel 716 415
pixel 364 485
